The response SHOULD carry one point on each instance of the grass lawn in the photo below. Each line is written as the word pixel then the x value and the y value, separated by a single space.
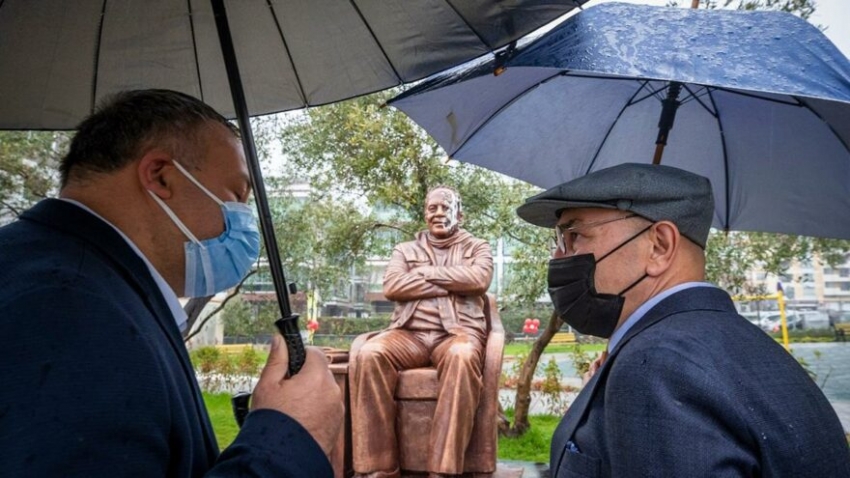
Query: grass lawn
pixel 533 446
pixel 221 416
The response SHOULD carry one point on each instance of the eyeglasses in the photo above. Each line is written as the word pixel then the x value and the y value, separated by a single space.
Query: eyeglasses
pixel 565 235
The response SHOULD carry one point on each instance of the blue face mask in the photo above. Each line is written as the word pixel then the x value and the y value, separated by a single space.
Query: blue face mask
pixel 217 264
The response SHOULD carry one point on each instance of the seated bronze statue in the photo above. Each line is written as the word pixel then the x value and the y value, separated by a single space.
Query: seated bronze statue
pixel 439 283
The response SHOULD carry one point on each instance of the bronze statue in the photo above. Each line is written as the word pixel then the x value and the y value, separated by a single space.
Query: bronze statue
pixel 439 282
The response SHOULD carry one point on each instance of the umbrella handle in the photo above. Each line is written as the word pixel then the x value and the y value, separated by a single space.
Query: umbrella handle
pixel 288 327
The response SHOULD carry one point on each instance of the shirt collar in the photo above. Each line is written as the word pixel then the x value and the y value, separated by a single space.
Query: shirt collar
pixel 180 317
pixel 645 307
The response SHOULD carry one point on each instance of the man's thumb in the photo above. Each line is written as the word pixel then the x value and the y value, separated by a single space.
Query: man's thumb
pixel 278 362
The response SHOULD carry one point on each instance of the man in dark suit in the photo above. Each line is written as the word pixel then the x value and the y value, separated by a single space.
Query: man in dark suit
pixel 96 379
pixel 689 388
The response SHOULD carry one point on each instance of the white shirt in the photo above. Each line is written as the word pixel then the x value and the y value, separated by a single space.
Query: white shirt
pixel 179 315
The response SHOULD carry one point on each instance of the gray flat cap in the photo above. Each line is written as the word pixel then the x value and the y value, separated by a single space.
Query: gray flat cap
pixel 658 193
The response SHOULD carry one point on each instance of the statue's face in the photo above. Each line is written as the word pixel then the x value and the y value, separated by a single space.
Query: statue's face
pixel 442 213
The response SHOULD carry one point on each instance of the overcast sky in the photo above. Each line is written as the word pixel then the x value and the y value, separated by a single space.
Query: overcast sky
pixel 832 14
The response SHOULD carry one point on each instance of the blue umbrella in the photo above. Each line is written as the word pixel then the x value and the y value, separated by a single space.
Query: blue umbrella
pixel 759 102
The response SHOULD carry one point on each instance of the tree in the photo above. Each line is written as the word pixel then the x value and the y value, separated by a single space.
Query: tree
pixel 376 167
pixel 248 318
pixel 802 8
pixel 28 169
pixel 729 256
pixel 363 152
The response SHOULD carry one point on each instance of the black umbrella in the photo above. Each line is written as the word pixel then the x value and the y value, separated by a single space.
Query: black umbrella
pixel 57 58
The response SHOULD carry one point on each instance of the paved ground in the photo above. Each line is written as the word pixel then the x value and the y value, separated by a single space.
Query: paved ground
pixel 832 365
pixel 843 411
pixel 540 405
pixel 830 361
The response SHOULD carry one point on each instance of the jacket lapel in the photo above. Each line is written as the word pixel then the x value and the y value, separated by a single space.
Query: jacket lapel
pixel 564 431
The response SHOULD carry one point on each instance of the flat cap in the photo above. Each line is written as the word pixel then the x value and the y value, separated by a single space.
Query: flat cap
pixel 658 193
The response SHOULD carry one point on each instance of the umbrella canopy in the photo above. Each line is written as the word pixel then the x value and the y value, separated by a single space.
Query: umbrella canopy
pixel 58 57
pixel 762 109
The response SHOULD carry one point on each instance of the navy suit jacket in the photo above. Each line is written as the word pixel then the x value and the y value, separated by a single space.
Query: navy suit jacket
pixel 695 390
pixel 94 378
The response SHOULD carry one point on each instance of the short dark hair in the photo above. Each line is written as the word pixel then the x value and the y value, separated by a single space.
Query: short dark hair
pixel 127 124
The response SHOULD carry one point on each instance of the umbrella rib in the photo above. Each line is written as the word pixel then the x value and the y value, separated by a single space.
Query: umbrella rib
pixel 468 25
pixel 725 158
pixel 502 108
pixel 763 98
pixel 97 56
pixel 697 98
pixel 195 48
pixel 288 53
pixel 803 104
pixel 611 128
pixel 377 42
pixel 653 93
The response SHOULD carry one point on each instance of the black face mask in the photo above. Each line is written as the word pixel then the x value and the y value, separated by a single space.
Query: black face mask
pixel 573 293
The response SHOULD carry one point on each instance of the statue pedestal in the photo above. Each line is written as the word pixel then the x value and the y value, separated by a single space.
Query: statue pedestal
pixel 502 471
pixel 341 455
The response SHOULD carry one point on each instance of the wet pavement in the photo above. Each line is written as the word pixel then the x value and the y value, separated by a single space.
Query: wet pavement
pixel 830 361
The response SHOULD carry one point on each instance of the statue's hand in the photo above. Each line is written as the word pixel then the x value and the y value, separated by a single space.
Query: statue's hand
pixel 311 397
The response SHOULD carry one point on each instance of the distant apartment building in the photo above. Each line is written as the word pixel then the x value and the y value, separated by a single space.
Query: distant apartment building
pixel 810 284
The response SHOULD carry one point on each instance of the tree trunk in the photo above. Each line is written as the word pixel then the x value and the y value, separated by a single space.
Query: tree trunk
pixel 523 388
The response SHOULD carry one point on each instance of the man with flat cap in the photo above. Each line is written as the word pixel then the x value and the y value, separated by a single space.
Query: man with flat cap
pixel 689 388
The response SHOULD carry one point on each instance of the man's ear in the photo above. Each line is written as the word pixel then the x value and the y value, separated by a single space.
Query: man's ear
pixel 155 170
pixel 666 241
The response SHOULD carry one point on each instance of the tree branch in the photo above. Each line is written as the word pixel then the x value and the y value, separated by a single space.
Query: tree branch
pixel 14 210
pixel 209 316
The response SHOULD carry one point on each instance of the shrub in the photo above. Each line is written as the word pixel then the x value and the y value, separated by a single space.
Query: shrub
pixel 205 359
pixel 581 360
pixel 249 361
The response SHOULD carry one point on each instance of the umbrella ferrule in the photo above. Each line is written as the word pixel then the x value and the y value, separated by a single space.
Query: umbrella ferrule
pixel 669 105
